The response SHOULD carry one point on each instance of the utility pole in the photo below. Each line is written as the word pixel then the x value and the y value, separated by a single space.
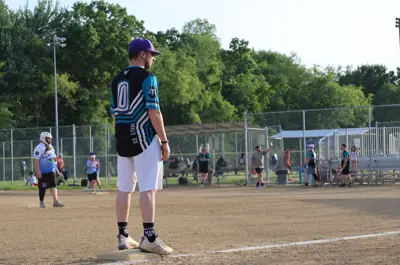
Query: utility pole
pixel 398 26
pixel 57 42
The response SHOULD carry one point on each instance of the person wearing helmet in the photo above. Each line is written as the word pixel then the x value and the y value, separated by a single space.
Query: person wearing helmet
pixel 46 168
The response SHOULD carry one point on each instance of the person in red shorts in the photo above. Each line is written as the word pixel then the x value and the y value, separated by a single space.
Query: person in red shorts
pixel 286 158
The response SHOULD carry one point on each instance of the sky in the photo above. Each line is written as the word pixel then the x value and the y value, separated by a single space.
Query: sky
pixel 322 32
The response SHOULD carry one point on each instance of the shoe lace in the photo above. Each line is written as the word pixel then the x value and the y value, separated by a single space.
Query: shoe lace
pixel 160 242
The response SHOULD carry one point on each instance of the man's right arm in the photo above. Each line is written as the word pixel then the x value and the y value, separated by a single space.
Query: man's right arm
pixel 112 103
pixel 157 121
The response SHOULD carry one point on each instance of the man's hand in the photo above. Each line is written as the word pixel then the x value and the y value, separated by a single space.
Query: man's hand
pixel 165 151
pixel 39 175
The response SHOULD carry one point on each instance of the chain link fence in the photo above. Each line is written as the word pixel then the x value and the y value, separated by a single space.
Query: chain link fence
pixel 373 130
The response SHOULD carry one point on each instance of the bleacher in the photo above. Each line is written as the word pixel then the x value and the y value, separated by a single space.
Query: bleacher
pixel 377 169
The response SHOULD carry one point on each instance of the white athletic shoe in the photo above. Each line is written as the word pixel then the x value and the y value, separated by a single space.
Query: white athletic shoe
pixel 41 205
pixel 157 246
pixel 126 242
pixel 58 204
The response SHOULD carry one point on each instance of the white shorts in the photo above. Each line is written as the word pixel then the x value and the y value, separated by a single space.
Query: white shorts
pixel 144 169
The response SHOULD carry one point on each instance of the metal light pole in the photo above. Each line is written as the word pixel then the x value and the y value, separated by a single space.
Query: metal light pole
pixel 57 41
pixel 398 26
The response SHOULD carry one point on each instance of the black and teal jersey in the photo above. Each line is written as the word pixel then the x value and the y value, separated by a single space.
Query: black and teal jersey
pixel 133 91
pixel 345 155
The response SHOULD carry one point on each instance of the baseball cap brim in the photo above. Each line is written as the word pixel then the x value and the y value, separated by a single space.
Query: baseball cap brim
pixel 155 52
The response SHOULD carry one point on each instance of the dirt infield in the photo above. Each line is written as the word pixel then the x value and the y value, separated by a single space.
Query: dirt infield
pixel 194 220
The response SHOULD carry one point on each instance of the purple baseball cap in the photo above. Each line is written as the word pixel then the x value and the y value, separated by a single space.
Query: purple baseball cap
pixel 142 44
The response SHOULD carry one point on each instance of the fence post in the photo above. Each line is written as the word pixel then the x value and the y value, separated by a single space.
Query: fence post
pixel 74 150
pixel 90 139
pixel 327 148
pixel 197 144
pixel 246 149
pixel 236 150
pixel 347 138
pixel 213 152
pixel 267 156
pixel 12 157
pixel 222 145
pixel 376 139
pixel 4 161
pixel 370 145
pixel 301 153
pixel 31 155
pixel 61 146
pixel 304 136
pixel 105 153
pixel 384 140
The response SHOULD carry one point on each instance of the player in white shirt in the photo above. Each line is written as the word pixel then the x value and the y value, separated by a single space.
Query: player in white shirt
pixel 46 168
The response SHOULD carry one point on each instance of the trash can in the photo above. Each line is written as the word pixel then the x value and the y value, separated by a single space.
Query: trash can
pixel 282 175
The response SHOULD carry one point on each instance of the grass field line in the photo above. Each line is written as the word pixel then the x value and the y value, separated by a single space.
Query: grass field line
pixel 269 246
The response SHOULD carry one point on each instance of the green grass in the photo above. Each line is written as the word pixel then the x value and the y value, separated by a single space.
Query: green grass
pixel 18 185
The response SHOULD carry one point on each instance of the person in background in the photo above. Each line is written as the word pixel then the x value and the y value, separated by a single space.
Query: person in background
pixel 61 167
pixel 257 164
pixel 91 171
pixel 286 158
pixel 310 163
pixel 24 168
pixel 354 158
pixel 204 157
pixel 86 169
pixel 32 181
pixel 345 166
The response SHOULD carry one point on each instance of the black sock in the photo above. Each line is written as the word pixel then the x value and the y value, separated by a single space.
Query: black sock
pixel 258 184
pixel 123 229
pixel 42 193
pixel 149 231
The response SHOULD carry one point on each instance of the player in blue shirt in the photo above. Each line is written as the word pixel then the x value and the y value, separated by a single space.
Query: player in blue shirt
pixel 46 167
pixel 92 165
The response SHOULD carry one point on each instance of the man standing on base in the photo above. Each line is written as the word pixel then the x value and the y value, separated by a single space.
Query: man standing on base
pixel 46 168
pixel 141 144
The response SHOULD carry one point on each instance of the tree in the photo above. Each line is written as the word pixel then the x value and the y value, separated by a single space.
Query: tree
pixel 370 77
pixel 98 34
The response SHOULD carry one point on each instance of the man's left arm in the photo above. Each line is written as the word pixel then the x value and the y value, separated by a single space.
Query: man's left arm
pixel 150 92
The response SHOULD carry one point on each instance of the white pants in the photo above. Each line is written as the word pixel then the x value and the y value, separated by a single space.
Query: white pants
pixel 144 169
